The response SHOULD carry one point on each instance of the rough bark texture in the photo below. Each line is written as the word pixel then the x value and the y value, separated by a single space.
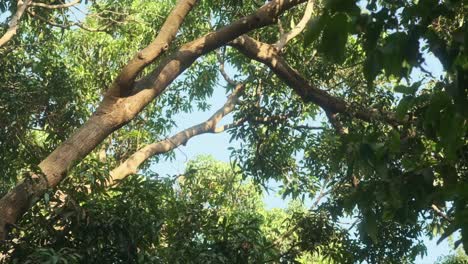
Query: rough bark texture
pixel 269 55
pixel 124 82
pixel 114 112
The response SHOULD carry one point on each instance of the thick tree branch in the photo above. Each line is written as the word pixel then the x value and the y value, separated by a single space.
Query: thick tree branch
pixel 269 55
pixel 114 112
pixel 14 22
pixel 124 81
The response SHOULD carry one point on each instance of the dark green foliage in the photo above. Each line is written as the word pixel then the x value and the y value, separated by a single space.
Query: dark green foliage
pixel 385 178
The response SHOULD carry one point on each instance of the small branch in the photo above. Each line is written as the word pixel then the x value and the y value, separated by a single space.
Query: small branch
pixel 308 127
pixel 337 125
pixel 66 5
pixel 286 37
pixel 353 224
pixel 440 212
pixel 226 77
pixel 322 193
pixel 263 120
pixel 67 26
pixel 280 27
pixel 14 22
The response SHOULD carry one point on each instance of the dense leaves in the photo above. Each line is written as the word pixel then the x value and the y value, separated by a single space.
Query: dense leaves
pixel 207 215
pixel 363 190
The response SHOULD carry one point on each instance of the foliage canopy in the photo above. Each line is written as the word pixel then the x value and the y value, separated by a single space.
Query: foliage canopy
pixel 339 101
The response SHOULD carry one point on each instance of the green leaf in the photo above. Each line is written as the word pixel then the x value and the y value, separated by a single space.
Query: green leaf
pixel 405 104
pixel 292 24
pixel 335 37
pixel 46 198
pixel 410 90
pixel 451 132
pixel 367 152
pixel 372 67
pixel 313 30
pixel 393 54
pixel 394 141
pixel 347 6
pixel 370 227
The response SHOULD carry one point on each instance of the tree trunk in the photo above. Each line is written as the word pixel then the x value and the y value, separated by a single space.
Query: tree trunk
pixel 114 112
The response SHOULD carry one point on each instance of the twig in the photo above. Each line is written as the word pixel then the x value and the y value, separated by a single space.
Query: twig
pixel 223 72
pixel 65 5
pixel 440 213
pixel 67 26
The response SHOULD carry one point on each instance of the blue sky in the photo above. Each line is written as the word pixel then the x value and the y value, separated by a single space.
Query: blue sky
pixel 217 146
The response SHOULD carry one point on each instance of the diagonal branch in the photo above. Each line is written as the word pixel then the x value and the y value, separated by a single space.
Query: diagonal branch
pixel 124 82
pixel 68 25
pixel 130 166
pixel 269 55
pixel 14 22
pixel 222 70
pixel 114 112
pixel 441 213
pixel 286 37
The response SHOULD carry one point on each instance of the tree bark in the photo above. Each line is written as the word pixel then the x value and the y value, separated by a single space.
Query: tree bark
pixel 114 112
pixel 269 55
pixel 124 82
pixel 130 166
pixel 14 22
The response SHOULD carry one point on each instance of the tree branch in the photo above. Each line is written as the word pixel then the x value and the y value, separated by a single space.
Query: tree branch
pixel 65 5
pixel 269 55
pixel 286 37
pixel 336 124
pixel 130 166
pixel 114 112
pixel 14 22
pixel 67 26
pixel 124 81
pixel 222 70
pixel 441 213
